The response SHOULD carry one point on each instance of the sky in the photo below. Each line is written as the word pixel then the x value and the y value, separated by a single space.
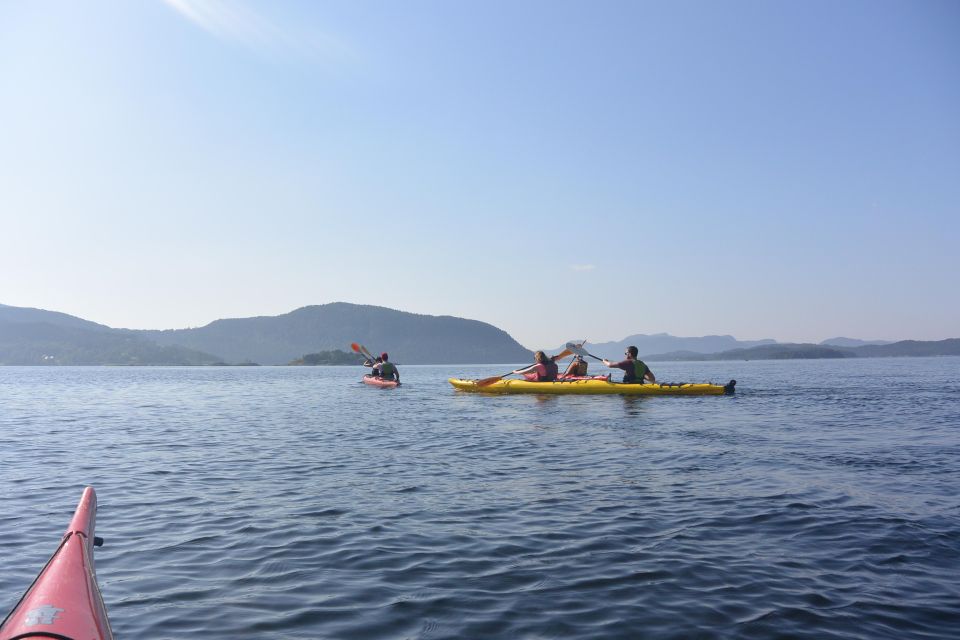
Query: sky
pixel 786 170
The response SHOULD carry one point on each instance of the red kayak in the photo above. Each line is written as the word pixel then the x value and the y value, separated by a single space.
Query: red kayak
pixel 376 382
pixel 64 601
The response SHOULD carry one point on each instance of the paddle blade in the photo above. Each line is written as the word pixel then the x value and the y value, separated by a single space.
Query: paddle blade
pixel 356 347
pixel 573 347
pixel 580 351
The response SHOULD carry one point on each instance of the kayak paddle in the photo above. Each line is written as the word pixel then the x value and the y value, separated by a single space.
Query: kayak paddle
pixel 580 351
pixel 362 350
pixel 486 382
pixel 356 348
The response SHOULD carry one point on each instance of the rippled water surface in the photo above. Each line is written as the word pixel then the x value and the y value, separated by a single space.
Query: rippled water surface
pixel 821 501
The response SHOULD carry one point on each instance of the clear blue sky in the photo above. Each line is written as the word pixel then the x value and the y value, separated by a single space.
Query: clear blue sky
pixel 559 169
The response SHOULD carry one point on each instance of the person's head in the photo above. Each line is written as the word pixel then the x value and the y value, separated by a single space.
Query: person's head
pixel 540 356
pixel 384 357
pixel 631 351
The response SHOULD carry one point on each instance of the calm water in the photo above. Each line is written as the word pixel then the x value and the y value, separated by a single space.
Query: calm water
pixel 822 501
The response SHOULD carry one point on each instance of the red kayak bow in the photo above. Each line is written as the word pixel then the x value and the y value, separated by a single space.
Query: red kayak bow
pixel 64 601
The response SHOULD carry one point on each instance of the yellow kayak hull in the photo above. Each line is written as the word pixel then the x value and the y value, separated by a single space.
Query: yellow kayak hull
pixel 595 387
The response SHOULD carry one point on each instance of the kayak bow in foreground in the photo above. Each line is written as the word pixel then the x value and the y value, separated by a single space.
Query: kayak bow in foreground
pixel 591 387
pixel 64 601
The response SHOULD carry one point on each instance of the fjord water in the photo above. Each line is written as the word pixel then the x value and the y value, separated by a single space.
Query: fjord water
pixel 821 501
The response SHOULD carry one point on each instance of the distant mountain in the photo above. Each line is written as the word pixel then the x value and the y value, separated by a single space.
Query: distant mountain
pixel 761 352
pixel 26 315
pixel 37 336
pixel 851 342
pixel 34 336
pixel 661 343
pixel 907 348
pixel 904 348
pixel 409 338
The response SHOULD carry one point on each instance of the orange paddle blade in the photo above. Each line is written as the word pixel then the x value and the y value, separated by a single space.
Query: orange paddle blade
pixel 486 382
pixel 355 347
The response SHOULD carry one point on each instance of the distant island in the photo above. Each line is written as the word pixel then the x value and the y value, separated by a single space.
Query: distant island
pixel 335 357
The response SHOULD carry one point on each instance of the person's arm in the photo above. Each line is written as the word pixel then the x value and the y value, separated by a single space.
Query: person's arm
pixel 526 370
pixel 613 365
pixel 649 375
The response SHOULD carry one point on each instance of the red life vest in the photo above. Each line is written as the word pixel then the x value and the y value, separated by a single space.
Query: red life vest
pixel 551 371
pixel 543 372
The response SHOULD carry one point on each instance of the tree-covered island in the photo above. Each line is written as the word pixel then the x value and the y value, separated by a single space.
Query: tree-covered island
pixel 335 357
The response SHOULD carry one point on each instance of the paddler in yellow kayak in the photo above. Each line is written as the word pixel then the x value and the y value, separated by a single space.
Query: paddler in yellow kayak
pixel 545 368
pixel 635 371
pixel 577 368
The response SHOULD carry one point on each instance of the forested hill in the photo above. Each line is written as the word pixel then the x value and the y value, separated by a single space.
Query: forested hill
pixel 35 336
pixel 409 338
pixel 28 315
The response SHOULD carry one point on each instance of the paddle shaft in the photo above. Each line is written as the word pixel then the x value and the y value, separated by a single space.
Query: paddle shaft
pixel 486 382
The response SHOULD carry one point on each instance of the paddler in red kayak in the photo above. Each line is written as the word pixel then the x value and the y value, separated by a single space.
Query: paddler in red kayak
pixel 543 370
pixel 634 370
pixel 386 369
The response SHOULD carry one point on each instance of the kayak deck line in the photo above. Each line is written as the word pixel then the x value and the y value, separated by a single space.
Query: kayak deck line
pixel 64 600
pixel 595 387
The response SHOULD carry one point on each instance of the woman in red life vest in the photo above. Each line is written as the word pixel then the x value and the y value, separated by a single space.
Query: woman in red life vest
pixel 634 370
pixel 543 370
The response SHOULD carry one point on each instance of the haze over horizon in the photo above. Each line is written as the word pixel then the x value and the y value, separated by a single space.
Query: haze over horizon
pixel 559 170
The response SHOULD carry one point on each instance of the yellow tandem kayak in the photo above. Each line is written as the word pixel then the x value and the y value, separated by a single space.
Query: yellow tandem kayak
pixel 596 387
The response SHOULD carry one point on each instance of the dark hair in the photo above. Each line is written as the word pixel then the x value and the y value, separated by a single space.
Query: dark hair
pixel 633 351
pixel 540 356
